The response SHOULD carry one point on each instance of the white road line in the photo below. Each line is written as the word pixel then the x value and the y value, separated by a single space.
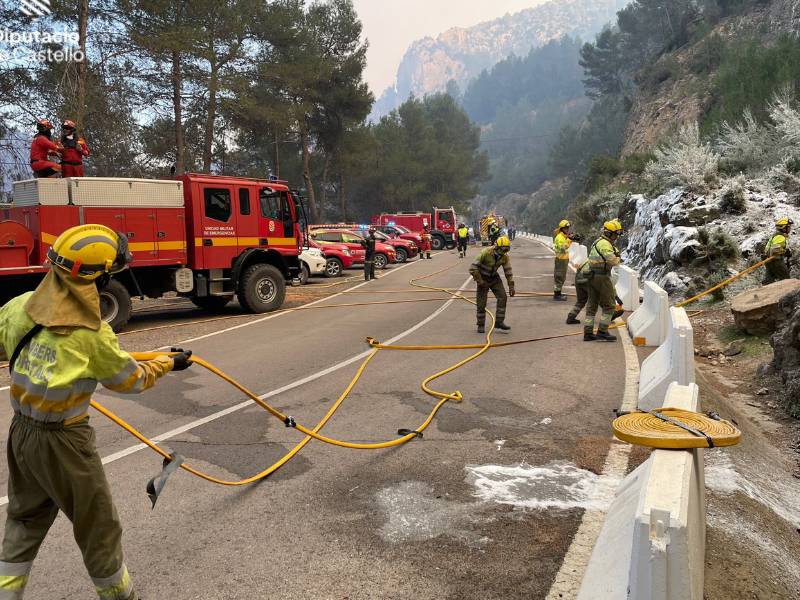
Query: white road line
pixel 569 577
pixel 225 412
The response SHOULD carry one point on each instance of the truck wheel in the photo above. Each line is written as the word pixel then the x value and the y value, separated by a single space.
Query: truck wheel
pixel 451 245
pixel 334 267
pixel 115 305
pixel 381 261
pixel 305 273
pixel 402 255
pixel 437 243
pixel 262 288
pixel 211 303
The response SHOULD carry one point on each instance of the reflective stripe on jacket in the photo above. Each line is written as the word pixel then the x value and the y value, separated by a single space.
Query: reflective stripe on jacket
pixel 463 233
pixel 487 264
pixel 561 244
pixel 55 375
pixel 603 256
pixel 776 246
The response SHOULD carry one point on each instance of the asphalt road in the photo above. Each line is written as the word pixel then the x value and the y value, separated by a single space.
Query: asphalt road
pixel 483 507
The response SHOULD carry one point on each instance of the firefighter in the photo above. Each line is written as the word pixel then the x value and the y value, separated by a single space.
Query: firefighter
pixel 494 232
pixel 425 247
pixel 603 256
pixel 59 350
pixel 485 272
pixel 562 240
pixel 463 240
pixel 778 246
pixel 42 148
pixel 369 255
pixel 583 278
pixel 74 149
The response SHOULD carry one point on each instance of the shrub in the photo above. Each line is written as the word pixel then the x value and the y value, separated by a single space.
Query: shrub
pixel 637 163
pixel 686 161
pixel 717 277
pixel 717 248
pixel 746 146
pixel 733 199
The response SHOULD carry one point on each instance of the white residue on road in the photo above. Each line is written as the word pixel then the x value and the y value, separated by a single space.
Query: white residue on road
pixel 499 444
pixel 558 485
pixel 546 421
pixel 775 493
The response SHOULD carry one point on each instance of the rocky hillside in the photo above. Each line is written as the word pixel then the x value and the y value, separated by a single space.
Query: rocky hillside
pixel 460 54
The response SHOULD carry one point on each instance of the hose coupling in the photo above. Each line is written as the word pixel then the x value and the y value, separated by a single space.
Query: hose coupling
pixel 405 432
pixel 372 341
pixel 289 422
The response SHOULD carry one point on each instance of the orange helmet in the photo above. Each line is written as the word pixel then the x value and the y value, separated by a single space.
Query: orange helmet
pixel 69 124
pixel 44 125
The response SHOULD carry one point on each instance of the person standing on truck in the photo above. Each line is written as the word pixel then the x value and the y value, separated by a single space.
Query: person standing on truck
pixel 369 255
pixel 603 256
pixel 778 247
pixel 463 240
pixel 425 247
pixel 42 148
pixel 74 149
pixel 485 273
pixel 59 350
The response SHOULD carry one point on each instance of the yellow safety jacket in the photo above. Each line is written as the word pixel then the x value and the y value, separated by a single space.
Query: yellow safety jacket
pixel 463 233
pixel 561 245
pixel 603 256
pixel 776 246
pixel 55 375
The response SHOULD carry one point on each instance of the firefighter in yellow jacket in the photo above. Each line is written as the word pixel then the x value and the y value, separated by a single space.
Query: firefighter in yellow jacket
pixel 59 350
pixel 562 240
pixel 485 272
pixel 603 256
pixel 778 246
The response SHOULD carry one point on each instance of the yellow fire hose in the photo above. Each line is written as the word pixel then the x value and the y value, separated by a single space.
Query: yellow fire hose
pixel 673 429
pixel 727 282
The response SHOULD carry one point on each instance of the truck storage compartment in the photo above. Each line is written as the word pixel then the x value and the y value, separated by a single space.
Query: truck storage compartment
pixel 44 192
pixel 103 191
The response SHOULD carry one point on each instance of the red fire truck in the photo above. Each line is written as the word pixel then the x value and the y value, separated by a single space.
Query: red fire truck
pixel 208 238
pixel 443 224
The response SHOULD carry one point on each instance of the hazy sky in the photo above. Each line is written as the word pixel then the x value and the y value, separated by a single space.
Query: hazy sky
pixel 391 26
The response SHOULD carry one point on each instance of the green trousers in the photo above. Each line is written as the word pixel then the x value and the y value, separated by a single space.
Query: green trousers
pixel 603 295
pixel 777 270
pixel 582 291
pixel 499 291
pixel 560 274
pixel 52 468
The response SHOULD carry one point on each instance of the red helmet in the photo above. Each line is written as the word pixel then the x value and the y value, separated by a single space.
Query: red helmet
pixel 44 125
pixel 69 124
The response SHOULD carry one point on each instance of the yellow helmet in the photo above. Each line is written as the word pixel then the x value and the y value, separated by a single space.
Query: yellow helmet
pixel 613 226
pixel 503 243
pixel 89 251
pixel 563 224
pixel 784 223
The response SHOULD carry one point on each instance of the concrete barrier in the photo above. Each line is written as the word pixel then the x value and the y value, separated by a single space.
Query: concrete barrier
pixel 578 253
pixel 649 324
pixel 628 287
pixel 652 543
pixel 672 361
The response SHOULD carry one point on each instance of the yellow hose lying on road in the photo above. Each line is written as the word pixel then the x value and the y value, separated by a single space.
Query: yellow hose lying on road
pixel 673 429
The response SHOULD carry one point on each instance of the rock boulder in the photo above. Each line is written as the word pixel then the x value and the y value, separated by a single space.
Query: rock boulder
pixel 786 344
pixel 757 311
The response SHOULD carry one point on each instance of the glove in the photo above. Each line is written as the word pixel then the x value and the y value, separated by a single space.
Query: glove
pixel 512 291
pixel 182 360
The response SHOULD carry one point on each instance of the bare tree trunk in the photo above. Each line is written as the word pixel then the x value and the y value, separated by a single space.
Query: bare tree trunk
pixel 177 103
pixel 324 187
pixel 83 26
pixel 342 199
pixel 211 115
pixel 277 158
pixel 312 202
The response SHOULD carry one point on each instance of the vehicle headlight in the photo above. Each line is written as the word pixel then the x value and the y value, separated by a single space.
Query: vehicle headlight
pixel 412 246
pixel 314 251
pixel 346 252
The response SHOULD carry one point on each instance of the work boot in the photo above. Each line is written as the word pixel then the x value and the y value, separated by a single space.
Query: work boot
pixel 481 329
pixel 588 335
pixel 572 321
pixel 604 336
pixel 559 297
pixel 502 326
pixel 617 314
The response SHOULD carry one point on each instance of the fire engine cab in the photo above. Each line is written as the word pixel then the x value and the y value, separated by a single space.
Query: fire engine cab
pixel 442 224
pixel 208 238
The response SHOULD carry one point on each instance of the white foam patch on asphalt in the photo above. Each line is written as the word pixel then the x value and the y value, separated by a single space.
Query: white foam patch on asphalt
pixel 558 485
pixel 546 421
pixel 777 494
pixel 415 513
pixel 499 443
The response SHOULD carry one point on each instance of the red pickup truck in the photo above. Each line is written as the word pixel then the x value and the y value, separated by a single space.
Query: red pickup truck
pixel 384 254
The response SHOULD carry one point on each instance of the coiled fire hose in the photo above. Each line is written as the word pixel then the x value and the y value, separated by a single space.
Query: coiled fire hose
pixel 673 429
